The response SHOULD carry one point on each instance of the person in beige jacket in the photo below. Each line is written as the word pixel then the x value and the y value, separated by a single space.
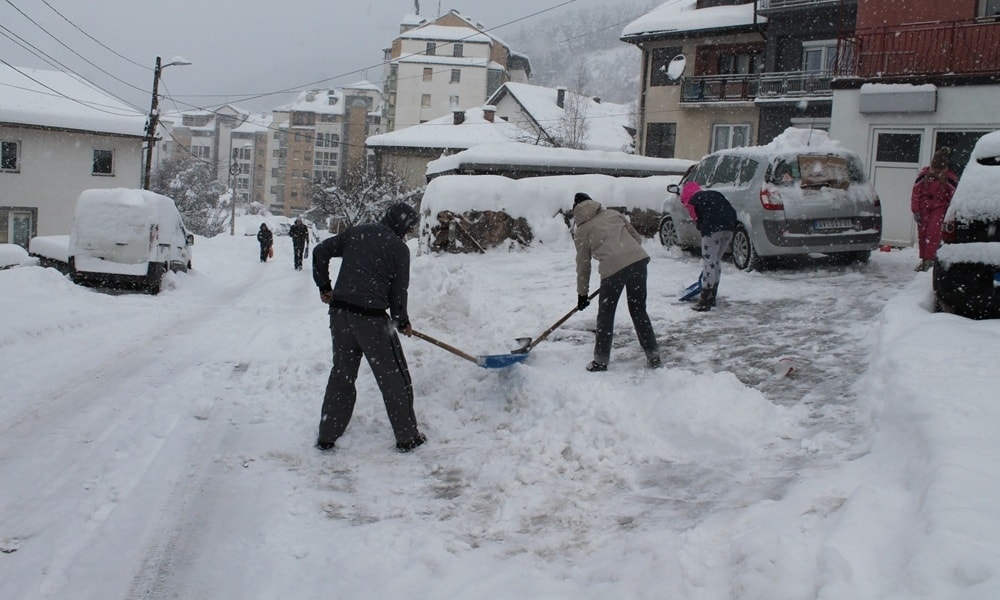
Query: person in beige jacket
pixel 606 235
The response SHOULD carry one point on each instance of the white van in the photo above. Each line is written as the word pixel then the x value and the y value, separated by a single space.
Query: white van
pixel 127 238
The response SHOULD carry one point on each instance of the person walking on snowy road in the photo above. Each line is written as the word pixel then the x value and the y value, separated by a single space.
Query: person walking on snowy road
pixel 932 192
pixel 716 221
pixel 374 277
pixel 266 240
pixel 300 241
pixel 604 234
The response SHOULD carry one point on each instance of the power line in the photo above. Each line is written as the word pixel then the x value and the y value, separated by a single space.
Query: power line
pixel 45 2
pixel 56 92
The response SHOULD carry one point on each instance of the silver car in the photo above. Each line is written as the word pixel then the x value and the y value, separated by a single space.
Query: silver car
pixel 789 202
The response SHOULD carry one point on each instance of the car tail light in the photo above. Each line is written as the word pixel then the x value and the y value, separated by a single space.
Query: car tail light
pixel 770 199
pixel 948 232
pixel 877 202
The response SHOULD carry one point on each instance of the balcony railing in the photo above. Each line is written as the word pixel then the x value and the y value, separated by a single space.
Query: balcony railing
pixel 747 88
pixel 950 48
pixel 766 6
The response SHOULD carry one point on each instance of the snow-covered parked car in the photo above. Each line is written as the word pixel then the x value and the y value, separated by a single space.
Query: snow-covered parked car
pixel 127 238
pixel 803 193
pixel 967 269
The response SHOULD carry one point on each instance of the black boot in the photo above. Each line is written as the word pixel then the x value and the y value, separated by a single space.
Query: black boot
pixel 715 293
pixel 705 299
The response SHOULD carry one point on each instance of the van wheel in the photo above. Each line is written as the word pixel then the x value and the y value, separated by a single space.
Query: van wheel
pixel 745 258
pixel 154 278
pixel 668 233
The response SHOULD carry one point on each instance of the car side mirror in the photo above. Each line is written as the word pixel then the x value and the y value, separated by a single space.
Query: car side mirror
pixel 189 240
pixel 673 188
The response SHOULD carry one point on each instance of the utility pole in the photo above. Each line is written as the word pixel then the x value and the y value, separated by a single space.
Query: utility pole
pixel 154 116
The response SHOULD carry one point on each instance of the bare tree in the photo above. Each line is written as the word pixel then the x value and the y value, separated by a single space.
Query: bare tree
pixel 196 192
pixel 361 196
pixel 574 125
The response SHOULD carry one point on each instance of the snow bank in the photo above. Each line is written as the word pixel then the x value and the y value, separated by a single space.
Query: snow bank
pixel 11 255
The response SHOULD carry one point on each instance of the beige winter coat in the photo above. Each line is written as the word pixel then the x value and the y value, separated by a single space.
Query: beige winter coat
pixel 603 234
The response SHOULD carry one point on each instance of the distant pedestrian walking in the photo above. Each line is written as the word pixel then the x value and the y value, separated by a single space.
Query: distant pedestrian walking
pixel 300 241
pixel 716 221
pixel 266 240
pixel 604 234
pixel 374 276
pixel 932 192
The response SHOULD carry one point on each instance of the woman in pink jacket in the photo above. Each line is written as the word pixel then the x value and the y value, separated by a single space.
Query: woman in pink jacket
pixel 932 192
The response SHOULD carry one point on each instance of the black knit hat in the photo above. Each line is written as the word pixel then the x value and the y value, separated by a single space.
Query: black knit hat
pixel 400 218
pixel 580 197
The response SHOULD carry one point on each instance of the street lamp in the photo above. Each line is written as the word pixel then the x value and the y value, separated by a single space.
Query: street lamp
pixel 154 115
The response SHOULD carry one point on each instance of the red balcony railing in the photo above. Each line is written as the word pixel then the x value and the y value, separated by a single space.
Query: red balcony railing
pixel 946 48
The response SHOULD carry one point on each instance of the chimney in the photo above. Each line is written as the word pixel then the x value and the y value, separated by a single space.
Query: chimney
pixel 459 117
pixel 489 112
pixel 597 99
pixel 561 97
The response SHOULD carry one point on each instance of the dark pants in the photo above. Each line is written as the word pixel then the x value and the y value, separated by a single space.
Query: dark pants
pixel 298 249
pixel 263 252
pixel 374 337
pixel 633 280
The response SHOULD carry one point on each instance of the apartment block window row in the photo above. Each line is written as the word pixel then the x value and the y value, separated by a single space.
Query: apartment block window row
pixel 327 140
pixel 325 159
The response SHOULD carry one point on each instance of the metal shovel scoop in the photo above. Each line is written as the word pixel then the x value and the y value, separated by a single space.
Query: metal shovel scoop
pixel 488 361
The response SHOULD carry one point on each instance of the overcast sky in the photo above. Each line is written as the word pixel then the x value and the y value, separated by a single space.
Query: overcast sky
pixel 238 49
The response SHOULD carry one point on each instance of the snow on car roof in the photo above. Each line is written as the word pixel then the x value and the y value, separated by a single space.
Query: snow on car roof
pixel 976 196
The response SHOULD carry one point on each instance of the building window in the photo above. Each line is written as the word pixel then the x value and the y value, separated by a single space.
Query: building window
pixel 730 136
pixel 10 157
pixel 989 8
pixel 453 102
pixel 457 49
pixel 203 152
pixel 740 63
pixel 819 56
pixel 431 49
pixel 104 162
pixel 425 100
pixel 661 138
pixel 428 74
pixel 660 63
pixel 456 75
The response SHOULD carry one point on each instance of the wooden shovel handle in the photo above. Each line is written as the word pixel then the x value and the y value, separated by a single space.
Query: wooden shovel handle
pixel 447 347
pixel 556 325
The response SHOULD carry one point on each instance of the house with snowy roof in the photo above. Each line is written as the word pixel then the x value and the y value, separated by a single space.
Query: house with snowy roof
pixel 59 135
pixel 406 152
pixel 434 67
pixel 560 118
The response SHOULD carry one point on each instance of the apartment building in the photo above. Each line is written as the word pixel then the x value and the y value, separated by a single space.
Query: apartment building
pixel 437 66
pixel 921 74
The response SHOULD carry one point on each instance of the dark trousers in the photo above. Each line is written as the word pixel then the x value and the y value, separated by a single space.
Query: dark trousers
pixel 374 337
pixel 297 250
pixel 633 280
pixel 263 252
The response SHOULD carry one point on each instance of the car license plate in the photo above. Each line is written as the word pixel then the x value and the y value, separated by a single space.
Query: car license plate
pixel 833 224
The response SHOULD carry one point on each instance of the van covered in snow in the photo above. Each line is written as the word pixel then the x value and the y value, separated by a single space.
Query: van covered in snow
pixel 127 238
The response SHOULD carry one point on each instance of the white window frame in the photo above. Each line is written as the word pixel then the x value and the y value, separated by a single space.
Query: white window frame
pixel 731 128
pixel 425 100
pixel 828 55
pixel 454 102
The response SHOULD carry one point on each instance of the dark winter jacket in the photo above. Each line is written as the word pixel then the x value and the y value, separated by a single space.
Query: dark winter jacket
pixel 265 237
pixel 299 234
pixel 375 270
pixel 714 212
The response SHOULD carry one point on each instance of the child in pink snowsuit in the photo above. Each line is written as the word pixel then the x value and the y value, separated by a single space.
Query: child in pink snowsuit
pixel 932 192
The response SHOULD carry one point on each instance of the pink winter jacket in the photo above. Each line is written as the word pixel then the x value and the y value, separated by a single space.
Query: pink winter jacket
pixel 690 189
pixel 931 194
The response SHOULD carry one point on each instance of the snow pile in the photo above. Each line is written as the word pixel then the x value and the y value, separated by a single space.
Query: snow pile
pixel 11 255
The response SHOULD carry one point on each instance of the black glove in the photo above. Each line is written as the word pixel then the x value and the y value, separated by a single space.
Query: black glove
pixel 582 302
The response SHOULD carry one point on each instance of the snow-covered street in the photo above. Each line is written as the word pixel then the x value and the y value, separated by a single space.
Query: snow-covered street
pixel 162 447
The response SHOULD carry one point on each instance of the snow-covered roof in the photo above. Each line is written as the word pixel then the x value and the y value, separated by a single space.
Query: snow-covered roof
pixel 458 61
pixel 442 133
pixel 606 122
pixel 680 16
pixel 528 157
pixel 255 123
pixel 63 101
pixel 447 33
pixel 364 84
pixel 318 101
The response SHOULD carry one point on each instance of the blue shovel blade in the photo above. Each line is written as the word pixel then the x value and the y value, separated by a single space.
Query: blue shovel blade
pixel 691 292
pixel 499 361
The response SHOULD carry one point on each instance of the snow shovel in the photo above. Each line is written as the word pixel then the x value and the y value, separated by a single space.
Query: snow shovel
pixel 691 292
pixel 488 361
pixel 525 344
